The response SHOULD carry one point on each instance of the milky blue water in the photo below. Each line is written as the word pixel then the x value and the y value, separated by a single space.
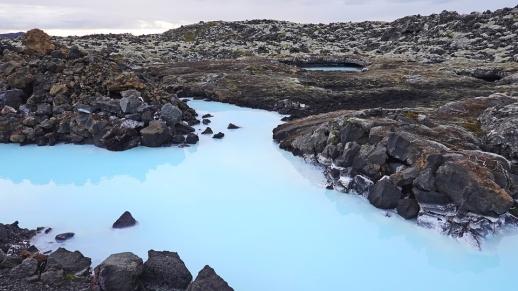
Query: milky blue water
pixel 334 69
pixel 258 215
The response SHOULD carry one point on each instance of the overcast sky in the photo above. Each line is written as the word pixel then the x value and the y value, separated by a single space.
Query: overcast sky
pixel 65 17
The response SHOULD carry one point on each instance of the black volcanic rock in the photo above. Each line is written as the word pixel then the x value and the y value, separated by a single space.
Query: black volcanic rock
pixel 232 126
pixel 208 280
pixel 165 271
pixel 218 135
pixel 125 220
pixel 64 236
pixel 207 130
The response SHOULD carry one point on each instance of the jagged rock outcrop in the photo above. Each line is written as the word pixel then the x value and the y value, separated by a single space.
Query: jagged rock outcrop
pixel 435 157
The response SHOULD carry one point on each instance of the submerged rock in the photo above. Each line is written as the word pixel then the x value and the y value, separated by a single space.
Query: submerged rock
pixel 192 138
pixel 125 220
pixel 208 280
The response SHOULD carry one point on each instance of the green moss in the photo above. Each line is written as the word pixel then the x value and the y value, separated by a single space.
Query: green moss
pixel 411 115
pixel 70 277
pixel 473 126
pixel 189 36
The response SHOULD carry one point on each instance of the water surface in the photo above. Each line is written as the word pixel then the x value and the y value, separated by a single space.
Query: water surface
pixel 258 215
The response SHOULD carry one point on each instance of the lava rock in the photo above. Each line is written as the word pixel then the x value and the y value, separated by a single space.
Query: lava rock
pixel 384 194
pixel 38 42
pixel 64 236
pixel 408 208
pixel 27 268
pixel 155 134
pixel 69 262
pixel 218 135
pixel 170 114
pixel 208 280
pixel 192 138
pixel 13 98
pixel 472 188
pixel 178 139
pixel 205 121
pixel 207 130
pixel 119 272
pixel 232 126
pixel 131 102
pixel 165 271
pixel 208 115
pixel 125 220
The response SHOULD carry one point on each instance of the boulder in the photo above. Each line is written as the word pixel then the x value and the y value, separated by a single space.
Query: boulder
pixel 207 130
pixel 155 134
pixel 38 42
pixel 130 103
pixel 170 114
pixel 208 280
pixel 431 197
pixel 165 271
pixel 120 138
pixel 208 115
pixel 384 194
pixel 125 220
pixel 119 272
pixel 499 127
pixel 27 268
pixel 205 121
pixel 13 98
pixel 192 138
pixel 69 262
pixel 232 126
pixel 64 236
pixel 218 135
pixel 408 208
pixel 125 81
pixel 178 139
pixel 471 187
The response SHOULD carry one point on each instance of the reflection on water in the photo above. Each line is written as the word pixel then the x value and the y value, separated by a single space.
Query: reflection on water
pixel 334 68
pixel 257 214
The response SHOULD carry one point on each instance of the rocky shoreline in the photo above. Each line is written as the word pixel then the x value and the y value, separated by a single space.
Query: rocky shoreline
pixel 453 168
pixel 408 132
pixel 23 268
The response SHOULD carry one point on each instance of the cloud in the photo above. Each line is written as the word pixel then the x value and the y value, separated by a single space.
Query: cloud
pixel 79 17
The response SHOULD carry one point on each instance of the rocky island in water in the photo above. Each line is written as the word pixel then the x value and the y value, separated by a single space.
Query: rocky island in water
pixel 418 115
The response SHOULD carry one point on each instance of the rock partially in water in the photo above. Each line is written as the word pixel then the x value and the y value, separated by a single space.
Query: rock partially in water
pixel 165 271
pixel 384 194
pixel 64 236
pixel 232 126
pixel 408 208
pixel 208 280
pixel 125 220
pixel 156 134
pixel 207 130
pixel 219 135
pixel 192 138
pixel 119 272
pixel 205 121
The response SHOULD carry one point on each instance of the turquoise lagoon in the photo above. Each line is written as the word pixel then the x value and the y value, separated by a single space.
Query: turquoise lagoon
pixel 255 213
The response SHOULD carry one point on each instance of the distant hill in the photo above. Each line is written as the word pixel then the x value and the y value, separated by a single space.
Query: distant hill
pixel 11 35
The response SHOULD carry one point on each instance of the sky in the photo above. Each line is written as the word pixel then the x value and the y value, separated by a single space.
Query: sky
pixel 79 17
